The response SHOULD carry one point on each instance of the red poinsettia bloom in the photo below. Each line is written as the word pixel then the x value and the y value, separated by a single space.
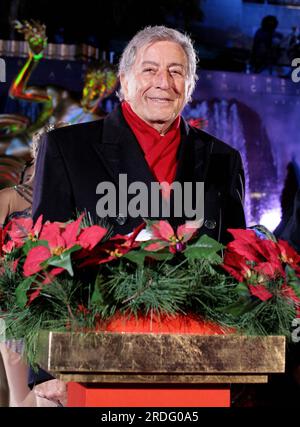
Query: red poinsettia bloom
pixel 236 266
pixel 289 255
pixel 60 239
pixel 268 269
pixel 114 248
pixel 259 262
pixel 246 243
pixel 264 253
pixel 20 229
pixel 165 236
pixel 89 237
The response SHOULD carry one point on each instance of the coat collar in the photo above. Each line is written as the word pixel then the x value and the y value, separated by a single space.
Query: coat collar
pixel 120 152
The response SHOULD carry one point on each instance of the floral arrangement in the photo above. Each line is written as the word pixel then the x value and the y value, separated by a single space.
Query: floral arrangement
pixel 76 276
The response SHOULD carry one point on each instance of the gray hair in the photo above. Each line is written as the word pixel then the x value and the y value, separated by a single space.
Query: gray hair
pixel 159 33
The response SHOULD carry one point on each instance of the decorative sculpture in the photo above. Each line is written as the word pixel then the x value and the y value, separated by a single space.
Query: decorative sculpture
pixel 57 104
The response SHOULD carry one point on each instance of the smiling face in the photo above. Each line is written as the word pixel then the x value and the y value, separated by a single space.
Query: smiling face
pixel 156 87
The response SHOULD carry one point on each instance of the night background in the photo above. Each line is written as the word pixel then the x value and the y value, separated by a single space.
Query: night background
pixel 245 94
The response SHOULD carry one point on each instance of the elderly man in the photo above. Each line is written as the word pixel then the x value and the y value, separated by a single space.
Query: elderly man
pixel 145 140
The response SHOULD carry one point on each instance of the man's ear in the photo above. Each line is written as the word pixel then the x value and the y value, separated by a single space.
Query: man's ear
pixel 124 85
pixel 187 90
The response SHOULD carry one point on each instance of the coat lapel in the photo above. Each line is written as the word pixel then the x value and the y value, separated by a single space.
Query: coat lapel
pixel 193 163
pixel 193 155
pixel 120 153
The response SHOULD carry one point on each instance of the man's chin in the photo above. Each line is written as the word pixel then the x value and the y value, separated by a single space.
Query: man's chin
pixel 160 120
pixel 160 116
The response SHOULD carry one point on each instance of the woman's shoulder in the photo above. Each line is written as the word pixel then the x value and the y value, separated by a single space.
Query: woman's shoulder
pixel 12 201
pixel 6 196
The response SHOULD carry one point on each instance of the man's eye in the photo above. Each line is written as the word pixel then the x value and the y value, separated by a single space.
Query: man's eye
pixel 176 72
pixel 149 70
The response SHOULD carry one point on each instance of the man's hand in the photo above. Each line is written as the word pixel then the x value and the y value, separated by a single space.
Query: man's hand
pixel 53 390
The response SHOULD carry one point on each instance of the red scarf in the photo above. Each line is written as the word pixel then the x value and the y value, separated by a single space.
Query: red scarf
pixel 160 150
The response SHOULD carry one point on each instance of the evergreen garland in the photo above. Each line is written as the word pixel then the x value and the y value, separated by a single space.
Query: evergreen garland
pixel 140 282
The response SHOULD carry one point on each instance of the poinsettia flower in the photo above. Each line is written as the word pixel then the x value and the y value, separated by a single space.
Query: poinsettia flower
pixel 20 229
pixel 61 238
pixel 35 257
pixel 260 291
pixel 264 253
pixel 272 254
pixel 289 255
pixel 109 251
pixel 246 243
pixel 114 248
pixel 236 266
pixel 91 236
pixel 51 233
pixel 165 236
pixel 241 234
pixel 269 269
pixel 267 261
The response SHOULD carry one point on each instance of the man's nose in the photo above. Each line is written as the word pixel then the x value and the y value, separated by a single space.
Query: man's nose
pixel 163 79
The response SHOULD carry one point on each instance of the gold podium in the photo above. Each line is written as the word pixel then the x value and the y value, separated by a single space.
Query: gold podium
pixel 150 369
